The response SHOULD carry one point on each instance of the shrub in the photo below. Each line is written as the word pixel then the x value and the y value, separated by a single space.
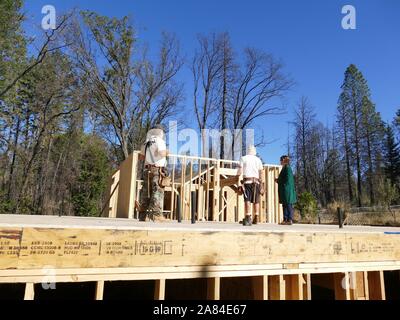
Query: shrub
pixel 306 204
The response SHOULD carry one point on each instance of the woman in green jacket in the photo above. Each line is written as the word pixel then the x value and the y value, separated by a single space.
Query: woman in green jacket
pixel 286 190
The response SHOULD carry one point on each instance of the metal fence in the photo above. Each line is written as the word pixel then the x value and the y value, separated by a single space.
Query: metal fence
pixel 368 216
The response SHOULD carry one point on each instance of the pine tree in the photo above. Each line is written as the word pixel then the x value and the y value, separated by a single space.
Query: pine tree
pixel 354 90
pixel 396 123
pixel 392 157
pixel 373 131
pixel 12 40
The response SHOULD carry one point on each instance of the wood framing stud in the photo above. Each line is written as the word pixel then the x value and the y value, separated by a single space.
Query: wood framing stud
pixel 276 287
pixel 376 285
pixel 99 290
pixel 29 291
pixel 260 287
pixel 342 286
pixel 294 286
pixel 213 288
pixel 159 290
pixel 307 286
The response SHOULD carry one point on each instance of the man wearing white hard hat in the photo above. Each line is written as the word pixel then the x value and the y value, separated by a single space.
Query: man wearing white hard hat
pixel 154 153
pixel 253 186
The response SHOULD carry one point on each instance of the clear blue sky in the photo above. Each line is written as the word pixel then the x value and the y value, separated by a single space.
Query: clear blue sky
pixel 305 34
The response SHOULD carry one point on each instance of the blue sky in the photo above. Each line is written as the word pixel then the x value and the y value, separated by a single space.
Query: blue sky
pixel 306 35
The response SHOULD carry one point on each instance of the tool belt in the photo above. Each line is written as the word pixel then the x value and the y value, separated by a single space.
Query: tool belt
pixel 252 180
pixel 164 180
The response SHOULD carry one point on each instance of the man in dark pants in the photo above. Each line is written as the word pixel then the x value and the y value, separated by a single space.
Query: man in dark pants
pixel 286 190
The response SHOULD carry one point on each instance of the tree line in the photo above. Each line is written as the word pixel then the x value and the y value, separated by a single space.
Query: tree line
pixel 73 109
pixel 357 159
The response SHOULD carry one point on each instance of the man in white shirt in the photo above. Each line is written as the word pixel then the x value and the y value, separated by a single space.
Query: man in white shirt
pixel 253 186
pixel 154 153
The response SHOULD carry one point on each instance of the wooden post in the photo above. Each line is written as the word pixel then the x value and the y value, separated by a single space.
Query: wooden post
pixel 207 195
pixel 342 286
pixel 172 211
pixel 199 194
pixel 29 291
pixel 307 286
pixel 366 285
pixel 216 193
pixel 353 285
pixel 260 287
pixel 376 284
pixel 294 286
pixel 213 288
pixel 99 290
pixel 190 197
pixel 127 187
pixel 159 291
pixel 276 287
pixel 182 193
pixel 361 290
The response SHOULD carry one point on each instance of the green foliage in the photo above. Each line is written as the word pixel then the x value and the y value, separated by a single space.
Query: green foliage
pixel 392 157
pixel 6 205
pixel 390 193
pixel 88 189
pixel 306 204
pixel 12 40
pixel 114 36
pixel 397 120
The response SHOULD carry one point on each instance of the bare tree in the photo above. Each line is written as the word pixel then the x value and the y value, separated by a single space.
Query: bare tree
pixel 50 44
pixel 129 94
pixel 304 124
pixel 259 83
pixel 207 69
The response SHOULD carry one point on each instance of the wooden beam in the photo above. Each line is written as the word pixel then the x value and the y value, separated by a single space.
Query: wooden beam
pixel 228 172
pixel 213 288
pixel 276 287
pixel 342 286
pixel 361 285
pixel 159 290
pixel 207 191
pixel 127 187
pixel 229 181
pixel 353 285
pixel 307 286
pixel 294 286
pixel 99 290
pixel 128 247
pixel 260 287
pixel 376 284
pixel 182 191
pixel 216 193
pixel 29 291
pixel 172 209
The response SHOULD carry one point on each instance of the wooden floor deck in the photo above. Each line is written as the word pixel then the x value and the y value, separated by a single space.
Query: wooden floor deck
pixel 29 221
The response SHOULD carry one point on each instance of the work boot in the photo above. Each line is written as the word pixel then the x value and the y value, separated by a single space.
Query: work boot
pixel 255 220
pixel 143 217
pixel 159 218
pixel 247 221
pixel 289 222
